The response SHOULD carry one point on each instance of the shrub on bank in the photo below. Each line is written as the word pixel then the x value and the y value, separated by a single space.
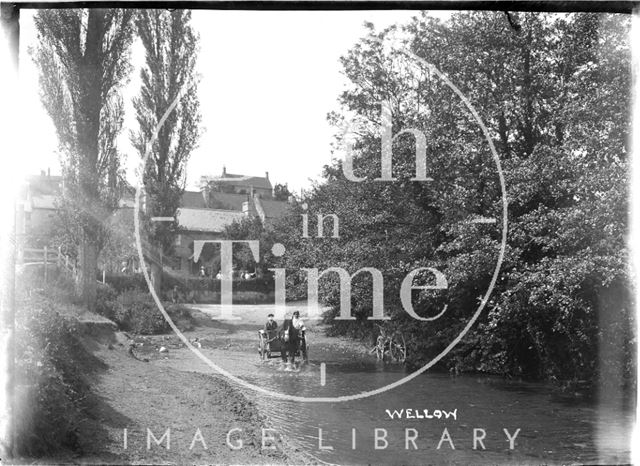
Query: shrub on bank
pixel 50 387
pixel 106 302
pixel 136 312
pixel 133 310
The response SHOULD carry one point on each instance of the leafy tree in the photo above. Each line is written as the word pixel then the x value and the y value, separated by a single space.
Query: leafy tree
pixel 83 57
pixel 553 91
pixel 251 228
pixel 171 47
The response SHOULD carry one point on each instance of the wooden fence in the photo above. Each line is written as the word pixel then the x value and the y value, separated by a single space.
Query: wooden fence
pixel 48 258
pixel 54 257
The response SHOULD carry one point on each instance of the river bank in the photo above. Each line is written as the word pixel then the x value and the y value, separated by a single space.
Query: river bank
pixel 544 428
pixel 207 420
pixel 177 409
pixel 145 413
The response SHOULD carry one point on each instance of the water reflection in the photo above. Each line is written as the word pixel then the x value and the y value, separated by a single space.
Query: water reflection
pixel 550 431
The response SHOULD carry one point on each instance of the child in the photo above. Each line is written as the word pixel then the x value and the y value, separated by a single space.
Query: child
pixel 270 327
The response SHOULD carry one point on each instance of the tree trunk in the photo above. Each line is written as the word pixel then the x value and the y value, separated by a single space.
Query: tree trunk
pixel 86 283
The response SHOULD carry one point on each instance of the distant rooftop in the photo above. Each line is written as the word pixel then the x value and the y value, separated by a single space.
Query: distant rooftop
pixel 260 182
pixel 193 200
pixel 44 184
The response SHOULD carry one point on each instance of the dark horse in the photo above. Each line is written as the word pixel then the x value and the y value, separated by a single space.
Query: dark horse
pixel 291 341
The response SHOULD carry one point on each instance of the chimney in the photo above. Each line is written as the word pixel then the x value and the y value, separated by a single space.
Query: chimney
pixel 266 175
pixel 224 170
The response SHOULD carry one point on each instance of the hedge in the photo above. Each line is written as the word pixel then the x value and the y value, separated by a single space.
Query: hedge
pixel 121 283
pixel 186 284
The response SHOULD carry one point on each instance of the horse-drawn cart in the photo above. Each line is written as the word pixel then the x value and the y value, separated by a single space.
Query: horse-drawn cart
pixel 273 342
pixel 268 345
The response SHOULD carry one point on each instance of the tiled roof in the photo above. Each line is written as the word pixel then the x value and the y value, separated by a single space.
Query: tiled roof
pixel 242 180
pixel 192 200
pixel 209 220
pixel 274 209
pixel 227 201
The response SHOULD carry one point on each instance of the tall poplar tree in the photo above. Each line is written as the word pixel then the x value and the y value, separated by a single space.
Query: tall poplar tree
pixel 171 47
pixel 83 60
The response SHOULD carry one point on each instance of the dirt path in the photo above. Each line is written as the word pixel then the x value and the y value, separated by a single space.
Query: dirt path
pixel 156 391
pixel 136 395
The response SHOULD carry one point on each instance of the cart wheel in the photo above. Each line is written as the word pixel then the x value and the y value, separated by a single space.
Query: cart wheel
pixel 398 348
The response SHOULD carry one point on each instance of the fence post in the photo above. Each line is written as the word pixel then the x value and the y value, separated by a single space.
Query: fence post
pixel 45 265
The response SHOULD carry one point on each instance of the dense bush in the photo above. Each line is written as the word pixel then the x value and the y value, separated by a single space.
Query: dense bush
pixel 51 386
pixel 136 312
pixel 106 302
pixel 132 309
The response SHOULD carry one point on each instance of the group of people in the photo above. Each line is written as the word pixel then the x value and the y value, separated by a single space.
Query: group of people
pixel 242 275
pixel 291 335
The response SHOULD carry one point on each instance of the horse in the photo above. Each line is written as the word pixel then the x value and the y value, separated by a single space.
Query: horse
pixel 290 340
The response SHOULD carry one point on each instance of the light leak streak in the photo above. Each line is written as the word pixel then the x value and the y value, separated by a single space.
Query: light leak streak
pixel 323 374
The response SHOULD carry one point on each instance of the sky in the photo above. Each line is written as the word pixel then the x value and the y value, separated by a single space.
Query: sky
pixel 268 80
